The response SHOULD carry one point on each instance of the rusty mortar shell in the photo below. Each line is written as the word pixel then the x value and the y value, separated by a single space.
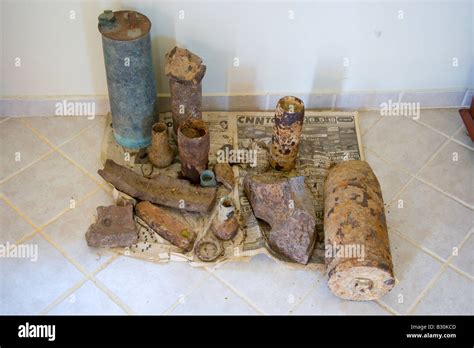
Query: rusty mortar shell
pixel 225 226
pixel 185 101
pixel 286 136
pixel 160 153
pixel 193 147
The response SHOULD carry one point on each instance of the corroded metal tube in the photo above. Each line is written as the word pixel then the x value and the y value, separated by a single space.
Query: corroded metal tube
pixel 128 64
pixel 185 71
pixel 358 259
pixel 193 147
pixel 185 101
pixel 289 117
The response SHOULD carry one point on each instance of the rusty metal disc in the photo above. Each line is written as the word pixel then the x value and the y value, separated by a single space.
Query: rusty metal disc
pixel 124 25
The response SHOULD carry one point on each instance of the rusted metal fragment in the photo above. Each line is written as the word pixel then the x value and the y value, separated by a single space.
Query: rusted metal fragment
pixel 193 146
pixel 225 226
pixel 186 71
pixel 285 203
pixel 166 225
pixel 162 189
pixel 358 259
pixel 225 175
pixel 184 66
pixel 286 133
pixel 115 227
pixel 160 153
pixel 208 248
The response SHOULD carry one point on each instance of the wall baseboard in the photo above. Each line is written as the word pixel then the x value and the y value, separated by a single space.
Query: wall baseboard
pixel 50 106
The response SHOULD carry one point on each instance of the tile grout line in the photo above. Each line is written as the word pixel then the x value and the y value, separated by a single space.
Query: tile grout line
pixel 419 246
pixel 43 156
pixel 169 310
pixel 231 287
pixel 435 279
pixel 47 238
pixel 63 296
pixel 114 297
pixel 64 155
pixel 305 296
pixel 414 176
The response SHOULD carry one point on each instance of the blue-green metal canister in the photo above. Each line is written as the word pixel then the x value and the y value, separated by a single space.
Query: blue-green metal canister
pixel 130 78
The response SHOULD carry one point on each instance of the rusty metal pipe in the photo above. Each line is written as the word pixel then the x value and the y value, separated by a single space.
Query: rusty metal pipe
pixel 185 101
pixel 286 136
pixel 193 147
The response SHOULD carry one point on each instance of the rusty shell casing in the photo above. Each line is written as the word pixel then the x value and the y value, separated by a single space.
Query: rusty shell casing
pixel 193 147
pixel 160 153
pixel 358 258
pixel 185 101
pixel 286 136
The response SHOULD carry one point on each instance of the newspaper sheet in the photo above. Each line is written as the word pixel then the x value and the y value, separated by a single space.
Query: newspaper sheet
pixel 244 138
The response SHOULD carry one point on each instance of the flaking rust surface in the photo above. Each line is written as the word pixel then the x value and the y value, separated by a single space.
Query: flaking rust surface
pixel 161 189
pixel 354 216
pixel 115 227
pixel 225 175
pixel 166 225
pixel 285 203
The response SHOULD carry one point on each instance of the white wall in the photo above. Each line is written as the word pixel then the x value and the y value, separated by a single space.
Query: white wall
pixel 61 56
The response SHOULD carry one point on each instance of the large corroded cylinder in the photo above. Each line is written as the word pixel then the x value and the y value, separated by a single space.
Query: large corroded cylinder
pixel 286 136
pixel 193 146
pixel 130 78
pixel 358 259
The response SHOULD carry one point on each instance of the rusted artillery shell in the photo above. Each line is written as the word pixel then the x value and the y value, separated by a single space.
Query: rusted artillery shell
pixel 166 226
pixel 286 133
pixel 162 189
pixel 286 205
pixel 358 259
pixel 115 227
pixel 160 153
pixel 186 71
pixel 225 225
pixel 193 146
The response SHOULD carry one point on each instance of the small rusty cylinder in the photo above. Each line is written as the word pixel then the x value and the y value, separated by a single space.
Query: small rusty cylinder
pixel 193 147
pixel 185 101
pixel 160 153
pixel 289 117
pixel 185 71
pixel 358 259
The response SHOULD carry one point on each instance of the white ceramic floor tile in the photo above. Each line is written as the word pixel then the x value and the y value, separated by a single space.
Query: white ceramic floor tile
pixel 413 270
pixel 13 226
pixel 462 136
pixel 213 298
pixel 69 232
pixel 451 294
pixel 390 178
pixel 20 146
pixel 430 218
pixel 446 121
pixel 321 301
pixel 367 119
pixel 87 300
pixel 403 142
pixel 45 189
pixel 27 287
pixel 452 170
pixel 465 258
pixel 147 287
pixel 86 148
pixel 271 287
pixel 58 129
